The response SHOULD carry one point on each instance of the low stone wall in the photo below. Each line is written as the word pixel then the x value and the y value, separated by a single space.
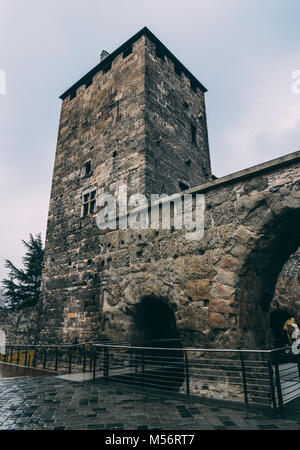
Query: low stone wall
pixel 21 326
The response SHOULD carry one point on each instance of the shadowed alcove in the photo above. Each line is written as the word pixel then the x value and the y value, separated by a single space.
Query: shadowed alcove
pixel 279 239
pixel 155 330
pixel 154 320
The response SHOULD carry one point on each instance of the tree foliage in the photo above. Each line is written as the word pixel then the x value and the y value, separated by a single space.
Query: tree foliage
pixel 22 287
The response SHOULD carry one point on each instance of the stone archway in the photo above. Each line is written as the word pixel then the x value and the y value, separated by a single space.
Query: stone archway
pixel 268 232
pixel 275 237
pixel 154 320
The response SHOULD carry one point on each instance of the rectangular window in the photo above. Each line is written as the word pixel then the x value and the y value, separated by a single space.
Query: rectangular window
pixel 194 134
pixel 85 209
pixel 92 206
pixel 87 168
pixel 127 52
pixel 89 203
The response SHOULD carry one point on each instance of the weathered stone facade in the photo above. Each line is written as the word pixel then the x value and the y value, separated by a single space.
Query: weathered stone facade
pixel 21 326
pixel 135 123
pixel 219 288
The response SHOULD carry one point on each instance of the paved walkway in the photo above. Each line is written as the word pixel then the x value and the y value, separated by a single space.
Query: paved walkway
pixel 53 403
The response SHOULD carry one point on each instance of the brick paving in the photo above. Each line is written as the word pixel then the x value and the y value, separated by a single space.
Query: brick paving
pixel 54 404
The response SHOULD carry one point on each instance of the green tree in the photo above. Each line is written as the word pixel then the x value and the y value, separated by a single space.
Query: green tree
pixel 22 287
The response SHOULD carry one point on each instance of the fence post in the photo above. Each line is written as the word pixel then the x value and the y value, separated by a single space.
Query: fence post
pixel 91 358
pixel 70 360
pixel 56 359
pixel 143 367
pixel 94 362
pixel 25 362
pixel 45 358
pixel 18 356
pixel 84 359
pixel 11 354
pixel 106 363
pixel 298 363
pixel 244 378
pixel 34 358
pixel 278 384
pixel 187 374
pixel 272 388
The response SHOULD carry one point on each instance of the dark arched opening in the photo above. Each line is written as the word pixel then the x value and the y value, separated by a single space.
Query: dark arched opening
pixel 278 317
pixel 278 240
pixel 159 345
pixel 154 322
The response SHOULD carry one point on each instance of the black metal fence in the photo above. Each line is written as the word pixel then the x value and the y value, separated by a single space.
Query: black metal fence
pixel 258 377
pixel 58 358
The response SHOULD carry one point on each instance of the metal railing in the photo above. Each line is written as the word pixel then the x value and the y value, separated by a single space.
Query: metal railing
pixel 253 377
pixel 58 358
pixel 257 377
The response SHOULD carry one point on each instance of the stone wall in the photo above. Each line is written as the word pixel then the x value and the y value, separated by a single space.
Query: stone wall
pixel 21 326
pixel 220 288
pixel 172 109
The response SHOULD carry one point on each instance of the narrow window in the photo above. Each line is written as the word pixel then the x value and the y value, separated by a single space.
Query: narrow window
pixel 127 52
pixel 73 94
pixel 85 205
pixel 87 168
pixel 183 186
pixel 88 82
pixel 89 203
pixel 194 134
pixel 93 202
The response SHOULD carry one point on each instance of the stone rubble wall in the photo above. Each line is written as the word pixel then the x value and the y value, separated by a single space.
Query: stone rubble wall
pixel 20 326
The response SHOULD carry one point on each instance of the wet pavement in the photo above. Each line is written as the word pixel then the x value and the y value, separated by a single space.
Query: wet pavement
pixel 53 403
pixel 11 370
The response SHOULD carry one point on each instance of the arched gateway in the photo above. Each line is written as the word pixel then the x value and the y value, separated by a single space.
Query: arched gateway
pixel 154 322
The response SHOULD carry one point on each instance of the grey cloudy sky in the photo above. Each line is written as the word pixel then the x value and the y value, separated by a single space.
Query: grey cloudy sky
pixel 243 51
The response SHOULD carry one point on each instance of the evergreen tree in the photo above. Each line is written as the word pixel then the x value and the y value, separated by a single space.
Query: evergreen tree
pixel 22 287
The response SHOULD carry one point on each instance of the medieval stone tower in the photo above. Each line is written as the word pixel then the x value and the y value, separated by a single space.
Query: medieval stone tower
pixel 138 118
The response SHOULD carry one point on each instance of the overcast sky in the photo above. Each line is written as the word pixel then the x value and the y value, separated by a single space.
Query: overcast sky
pixel 243 51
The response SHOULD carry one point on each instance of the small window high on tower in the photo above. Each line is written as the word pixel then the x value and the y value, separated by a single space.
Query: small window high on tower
pixel 89 203
pixel 87 168
pixel 194 134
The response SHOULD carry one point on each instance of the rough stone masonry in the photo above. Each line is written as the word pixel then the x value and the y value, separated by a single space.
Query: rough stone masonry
pixel 138 118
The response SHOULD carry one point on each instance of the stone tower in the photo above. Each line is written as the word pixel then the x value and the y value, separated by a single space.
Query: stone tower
pixel 137 118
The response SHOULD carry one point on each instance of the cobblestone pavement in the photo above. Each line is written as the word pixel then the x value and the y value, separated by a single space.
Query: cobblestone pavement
pixel 51 403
